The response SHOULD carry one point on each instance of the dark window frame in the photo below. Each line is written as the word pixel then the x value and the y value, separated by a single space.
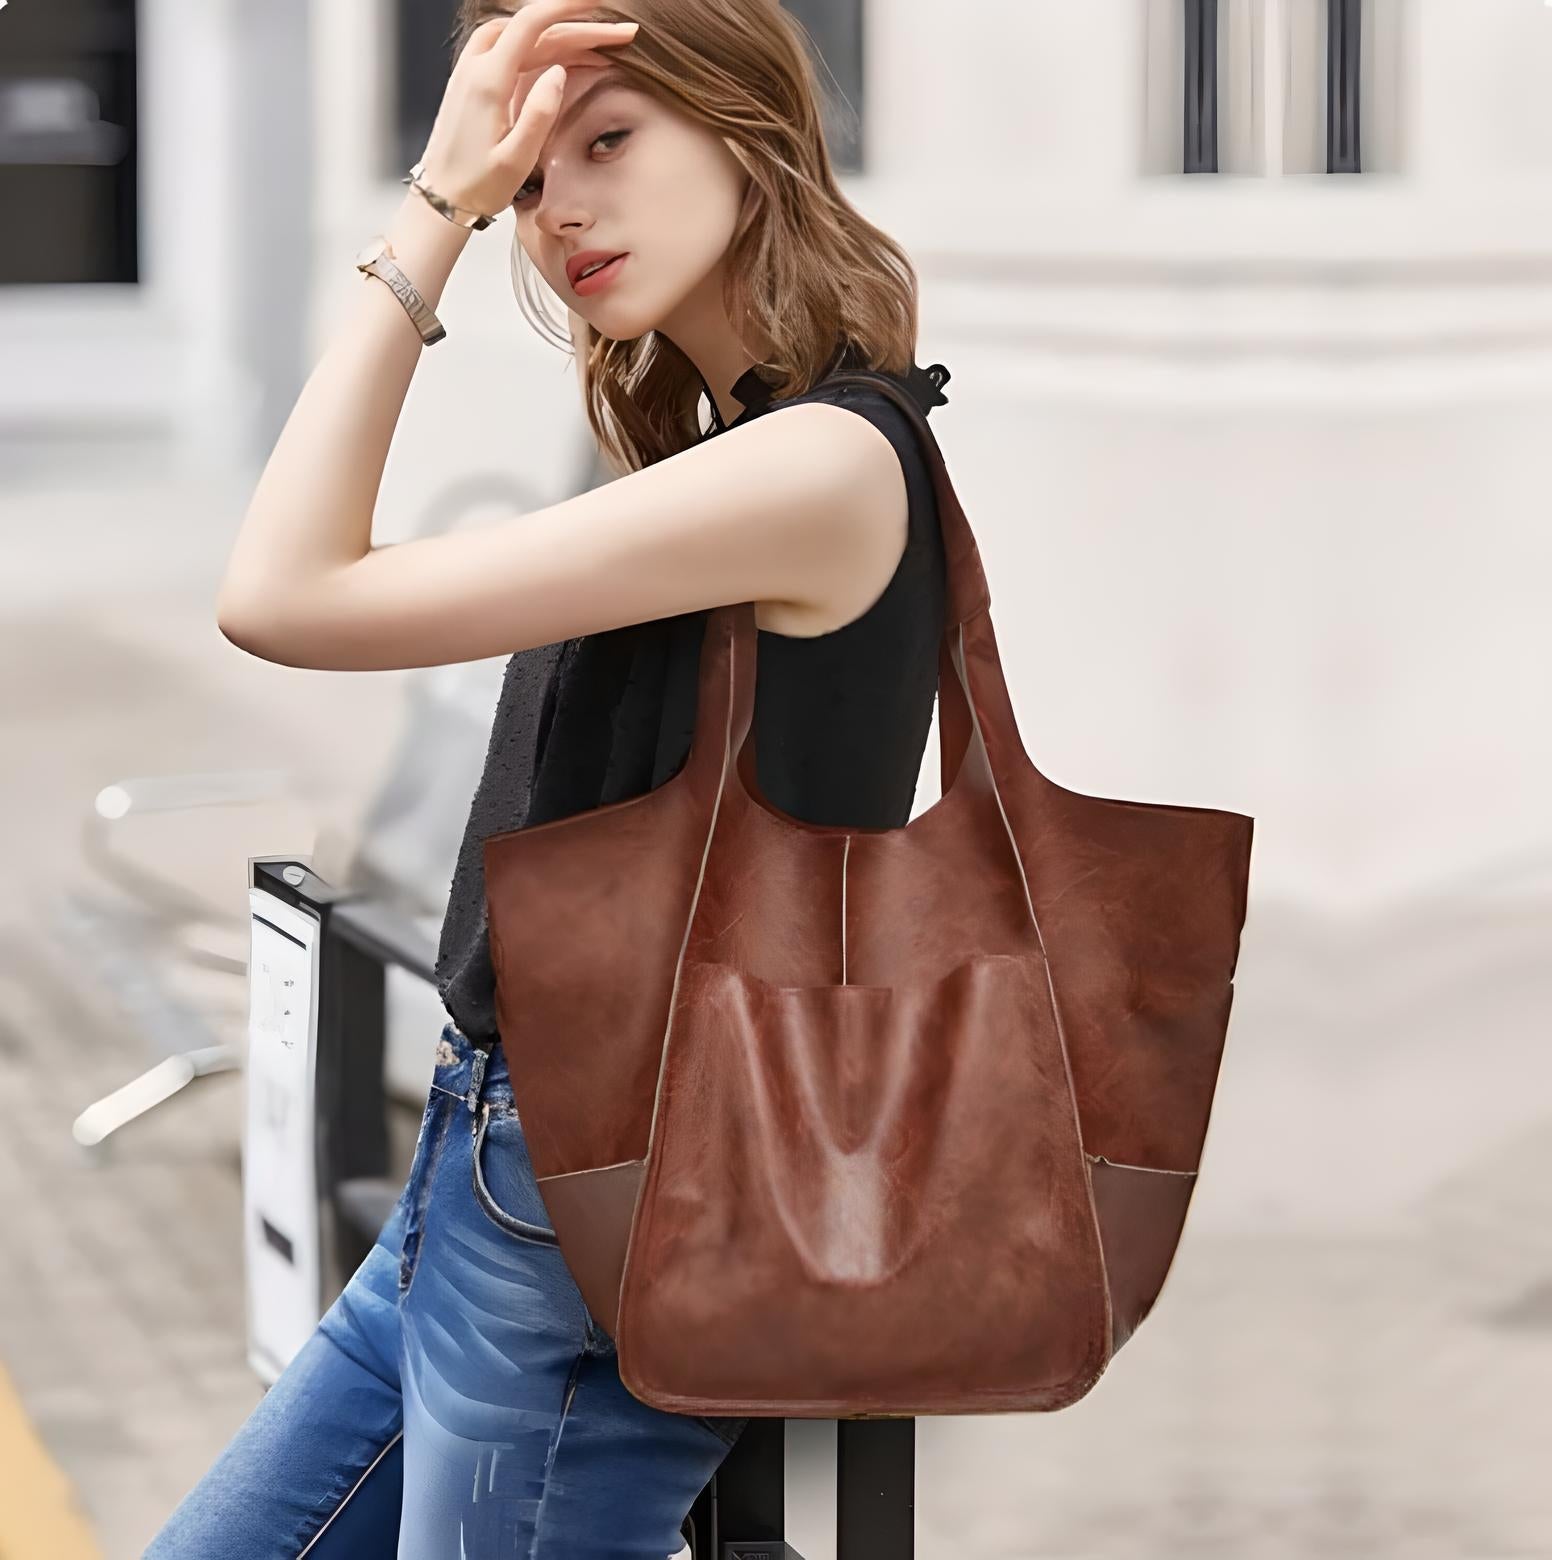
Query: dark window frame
pixel 838 29
pixel 1200 152
pixel 1344 73
pixel 74 193
pixel 422 36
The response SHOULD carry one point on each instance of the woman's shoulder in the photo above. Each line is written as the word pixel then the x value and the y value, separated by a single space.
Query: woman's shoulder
pixel 907 579
pixel 923 386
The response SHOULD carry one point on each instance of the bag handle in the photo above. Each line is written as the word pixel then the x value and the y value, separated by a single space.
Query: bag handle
pixel 725 700
pixel 967 594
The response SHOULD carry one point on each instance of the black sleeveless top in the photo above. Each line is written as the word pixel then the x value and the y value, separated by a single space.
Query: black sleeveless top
pixel 840 721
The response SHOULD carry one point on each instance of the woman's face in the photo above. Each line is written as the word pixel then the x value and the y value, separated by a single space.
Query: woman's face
pixel 624 173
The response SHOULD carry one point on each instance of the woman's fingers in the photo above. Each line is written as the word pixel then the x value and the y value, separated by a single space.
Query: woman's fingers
pixel 566 38
pixel 519 147
pixel 483 39
pixel 509 85
pixel 529 38
pixel 588 59
pixel 517 34
pixel 571 44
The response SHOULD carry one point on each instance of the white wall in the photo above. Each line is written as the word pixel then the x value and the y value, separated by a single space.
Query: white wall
pixel 1483 70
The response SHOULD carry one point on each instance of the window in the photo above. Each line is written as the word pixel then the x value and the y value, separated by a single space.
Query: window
pixel 1199 107
pixel 1344 54
pixel 1272 87
pixel 68 167
pixel 423 48
pixel 836 27
pixel 423 57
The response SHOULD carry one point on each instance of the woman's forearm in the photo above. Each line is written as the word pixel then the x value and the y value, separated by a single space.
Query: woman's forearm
pixel 311 512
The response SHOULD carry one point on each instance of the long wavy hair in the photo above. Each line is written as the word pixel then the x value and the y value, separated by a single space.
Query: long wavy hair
pixel 804 267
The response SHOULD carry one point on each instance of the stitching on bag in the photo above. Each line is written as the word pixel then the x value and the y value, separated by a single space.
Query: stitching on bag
pixel 1100 1159
pixel 845 856
pixel 684 943
pixel 695 899
pixel 565 1175
pixel 1101 1350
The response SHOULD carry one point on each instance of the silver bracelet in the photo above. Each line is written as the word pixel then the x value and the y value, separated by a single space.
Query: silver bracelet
pixel 459 216
pixel 376 259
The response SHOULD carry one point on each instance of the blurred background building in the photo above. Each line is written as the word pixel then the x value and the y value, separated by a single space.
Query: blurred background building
pixel 1249 311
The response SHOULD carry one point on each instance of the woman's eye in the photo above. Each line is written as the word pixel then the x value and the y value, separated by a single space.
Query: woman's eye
pixel 611 136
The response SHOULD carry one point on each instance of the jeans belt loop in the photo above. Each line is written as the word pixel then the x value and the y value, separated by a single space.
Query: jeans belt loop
pixel 472 1098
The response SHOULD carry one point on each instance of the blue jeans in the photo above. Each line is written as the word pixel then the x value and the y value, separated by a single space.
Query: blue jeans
pixel 457 1400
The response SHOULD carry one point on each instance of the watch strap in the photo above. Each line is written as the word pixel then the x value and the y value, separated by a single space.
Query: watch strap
pixel 383 267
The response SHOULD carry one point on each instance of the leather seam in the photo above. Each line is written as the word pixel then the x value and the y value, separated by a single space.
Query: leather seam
pixel 845 857
pixel 1100 1159
pixel 684 944
pixel 1102 1347
pixel 566 1175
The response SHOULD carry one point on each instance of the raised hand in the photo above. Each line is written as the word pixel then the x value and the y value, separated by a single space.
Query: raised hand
pixel 503 96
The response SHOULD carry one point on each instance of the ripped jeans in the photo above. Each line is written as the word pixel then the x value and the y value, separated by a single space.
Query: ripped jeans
pixel 457 1401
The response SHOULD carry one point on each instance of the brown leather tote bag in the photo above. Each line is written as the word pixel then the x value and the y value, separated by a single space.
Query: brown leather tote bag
pixel 845 1122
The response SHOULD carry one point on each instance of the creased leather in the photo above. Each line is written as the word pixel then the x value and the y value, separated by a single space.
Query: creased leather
pixel 911 1116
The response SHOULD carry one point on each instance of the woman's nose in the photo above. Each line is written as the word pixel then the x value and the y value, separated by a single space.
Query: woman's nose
pixel 558 211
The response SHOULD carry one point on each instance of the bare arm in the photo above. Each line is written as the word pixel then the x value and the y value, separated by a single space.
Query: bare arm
pixel 804 507
pixel 311 512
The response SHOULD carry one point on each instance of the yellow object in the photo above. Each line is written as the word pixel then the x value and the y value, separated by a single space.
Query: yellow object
pixel 39 1518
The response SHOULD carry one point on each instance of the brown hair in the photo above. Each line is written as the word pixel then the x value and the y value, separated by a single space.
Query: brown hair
pixel 804 265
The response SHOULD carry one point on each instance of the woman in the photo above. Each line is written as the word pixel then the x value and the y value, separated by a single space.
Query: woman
pixel 459 1399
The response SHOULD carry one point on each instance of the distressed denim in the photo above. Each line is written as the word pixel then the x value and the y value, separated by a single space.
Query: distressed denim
pixel 457 1401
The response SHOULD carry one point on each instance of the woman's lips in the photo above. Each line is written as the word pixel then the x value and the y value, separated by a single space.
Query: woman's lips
pixel 600 278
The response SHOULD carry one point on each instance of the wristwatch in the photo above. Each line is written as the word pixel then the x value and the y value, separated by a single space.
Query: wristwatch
pixel 376 259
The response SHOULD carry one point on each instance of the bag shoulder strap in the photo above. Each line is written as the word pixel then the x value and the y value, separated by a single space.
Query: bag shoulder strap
pixel 967 594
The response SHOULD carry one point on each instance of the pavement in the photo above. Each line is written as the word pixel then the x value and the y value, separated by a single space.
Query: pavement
pixel 1353 1352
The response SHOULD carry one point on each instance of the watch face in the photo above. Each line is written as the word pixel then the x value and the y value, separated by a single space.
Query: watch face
pixel 370 251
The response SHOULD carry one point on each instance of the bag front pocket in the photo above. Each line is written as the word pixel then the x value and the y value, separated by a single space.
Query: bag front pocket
pixel 509 1196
